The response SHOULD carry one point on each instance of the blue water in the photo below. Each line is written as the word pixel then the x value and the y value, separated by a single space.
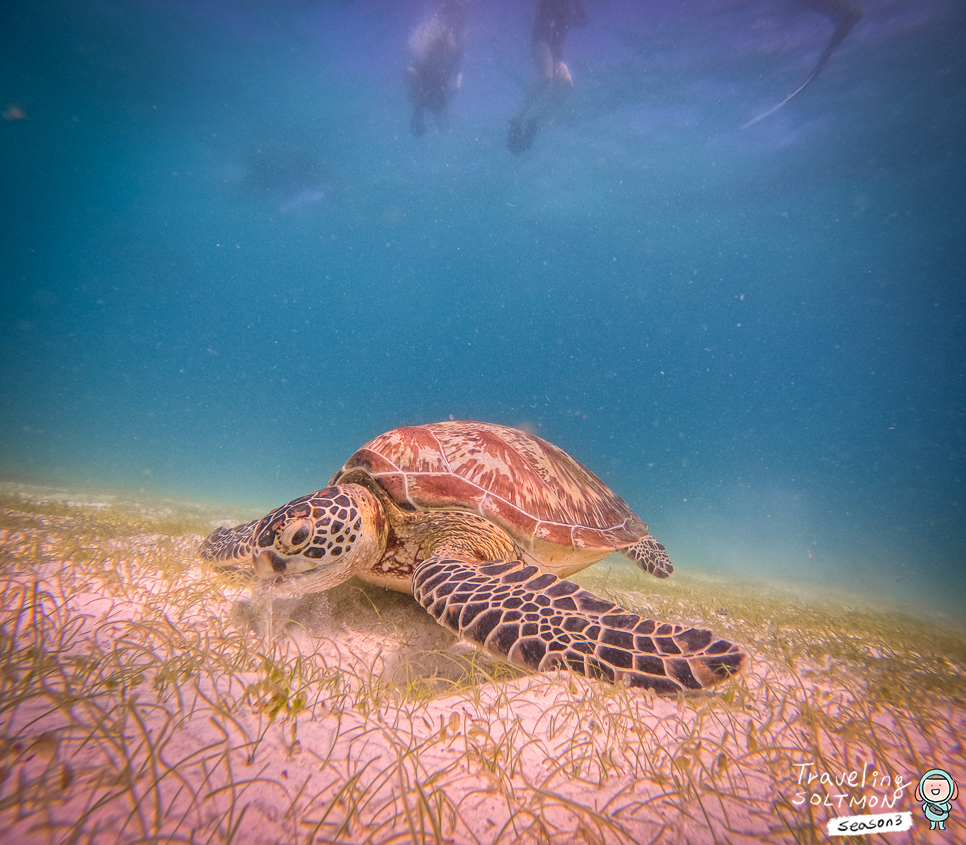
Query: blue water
pixel 227 263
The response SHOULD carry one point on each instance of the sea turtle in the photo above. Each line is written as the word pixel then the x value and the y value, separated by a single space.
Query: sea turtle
pixel 481 523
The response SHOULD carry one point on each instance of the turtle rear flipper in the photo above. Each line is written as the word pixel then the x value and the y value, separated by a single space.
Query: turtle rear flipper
pixel 539 621
pixel 650 556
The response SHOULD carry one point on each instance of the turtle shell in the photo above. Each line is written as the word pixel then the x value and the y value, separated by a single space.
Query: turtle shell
pixel 554 508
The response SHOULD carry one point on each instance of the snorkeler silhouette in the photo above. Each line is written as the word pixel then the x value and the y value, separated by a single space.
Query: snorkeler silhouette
pixel 551 24
pixel 844 16
pixel 436 52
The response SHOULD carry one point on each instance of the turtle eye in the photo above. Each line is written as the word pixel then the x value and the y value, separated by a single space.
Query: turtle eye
pixel 295 535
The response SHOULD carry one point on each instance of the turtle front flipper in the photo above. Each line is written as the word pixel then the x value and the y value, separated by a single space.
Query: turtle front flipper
pixel 539 621
pixel 230 546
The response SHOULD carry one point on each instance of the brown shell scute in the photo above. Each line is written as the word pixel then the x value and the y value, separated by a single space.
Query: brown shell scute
pixel 519 481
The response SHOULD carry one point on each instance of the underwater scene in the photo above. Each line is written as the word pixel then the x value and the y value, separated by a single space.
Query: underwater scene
pixel 451 421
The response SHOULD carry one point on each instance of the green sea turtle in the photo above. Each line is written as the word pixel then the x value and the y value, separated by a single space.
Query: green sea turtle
pixel 481 523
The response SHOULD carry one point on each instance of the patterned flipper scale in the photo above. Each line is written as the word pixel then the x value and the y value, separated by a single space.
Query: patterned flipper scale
pixel 650 556
pixel 539 621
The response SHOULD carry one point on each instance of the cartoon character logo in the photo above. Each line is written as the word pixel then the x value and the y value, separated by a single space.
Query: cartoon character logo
pixel 937 790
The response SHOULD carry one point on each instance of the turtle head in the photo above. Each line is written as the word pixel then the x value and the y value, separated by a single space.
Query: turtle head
pixel 318 541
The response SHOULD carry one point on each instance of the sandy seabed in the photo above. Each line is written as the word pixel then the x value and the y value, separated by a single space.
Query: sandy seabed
pixel 139 703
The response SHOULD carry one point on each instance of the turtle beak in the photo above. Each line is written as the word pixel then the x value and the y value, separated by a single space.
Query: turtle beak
pixel 269 565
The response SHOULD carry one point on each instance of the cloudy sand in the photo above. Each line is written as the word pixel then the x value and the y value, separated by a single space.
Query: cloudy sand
pixel 137 704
